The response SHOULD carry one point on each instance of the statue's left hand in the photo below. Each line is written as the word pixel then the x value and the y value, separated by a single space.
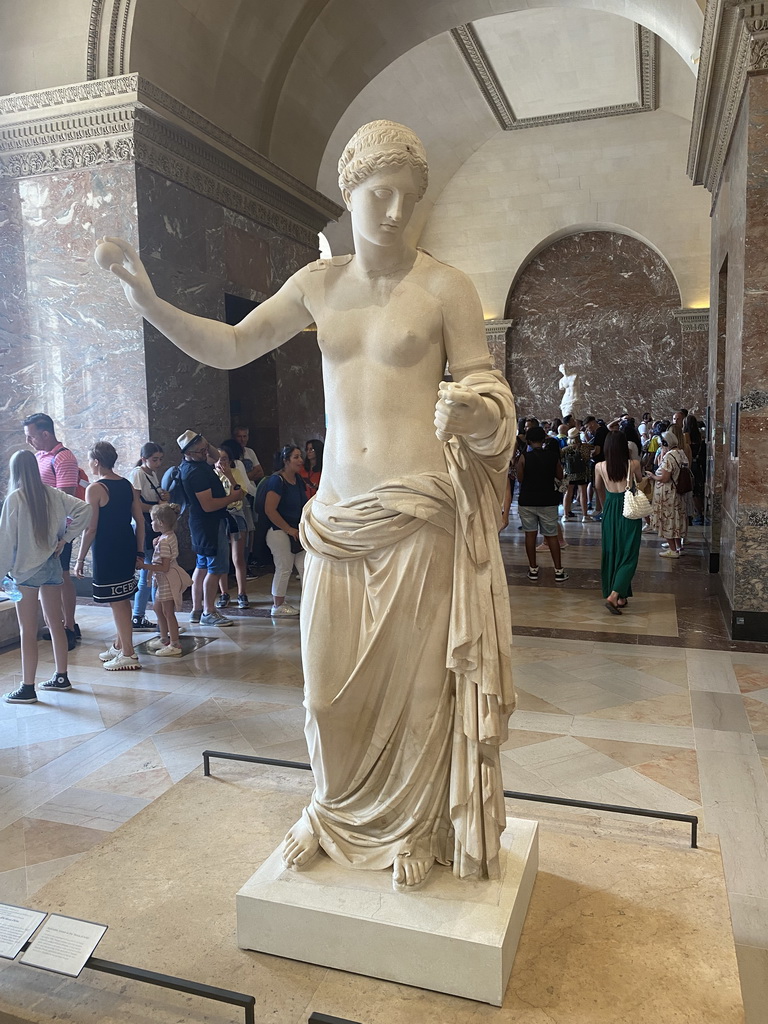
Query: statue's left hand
pixel 133 276
pixel 461 411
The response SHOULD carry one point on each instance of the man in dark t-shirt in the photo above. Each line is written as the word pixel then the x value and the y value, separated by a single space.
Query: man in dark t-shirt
pixel 207 516
pixel 536 472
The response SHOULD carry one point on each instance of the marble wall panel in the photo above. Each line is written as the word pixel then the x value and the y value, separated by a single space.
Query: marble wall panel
pixel 69 348
pixel 196 252
pixel 740 237
pixel 602 303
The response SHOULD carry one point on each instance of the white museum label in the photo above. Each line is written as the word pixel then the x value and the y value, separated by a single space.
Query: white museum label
pixel 63 945
pixel 16 926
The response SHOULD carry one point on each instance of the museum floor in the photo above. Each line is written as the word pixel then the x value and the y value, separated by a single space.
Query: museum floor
pixel 654 709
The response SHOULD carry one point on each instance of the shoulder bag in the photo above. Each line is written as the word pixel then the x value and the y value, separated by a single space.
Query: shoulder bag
pixel 636 505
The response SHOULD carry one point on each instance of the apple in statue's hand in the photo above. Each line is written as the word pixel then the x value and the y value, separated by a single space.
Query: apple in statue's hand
pixel 108 253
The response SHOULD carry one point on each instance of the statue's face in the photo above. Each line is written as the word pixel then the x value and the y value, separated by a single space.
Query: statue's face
pixel 382 205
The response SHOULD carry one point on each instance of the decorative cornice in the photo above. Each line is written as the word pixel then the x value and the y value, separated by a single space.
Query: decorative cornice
pixel 125 118
pixel 471 49
pixel 734 44
pixel 496 330
pixel 691 320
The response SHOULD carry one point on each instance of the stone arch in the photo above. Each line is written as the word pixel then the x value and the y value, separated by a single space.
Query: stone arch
pixel 576 229
pixel 603 302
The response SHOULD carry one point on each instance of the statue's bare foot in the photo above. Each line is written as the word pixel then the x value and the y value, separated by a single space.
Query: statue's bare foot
pixel 300 846
pixel 410 873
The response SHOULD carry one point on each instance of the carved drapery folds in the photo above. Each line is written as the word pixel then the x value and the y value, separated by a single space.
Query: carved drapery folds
pixel 734 45
pixel 116 119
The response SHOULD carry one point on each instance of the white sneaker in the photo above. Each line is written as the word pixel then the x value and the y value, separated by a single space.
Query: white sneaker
pixel 122 662
pixel 669 553
pixel 587 519
pixel 284 611
pixel 156 644
pixel 110 653
pixel 169 651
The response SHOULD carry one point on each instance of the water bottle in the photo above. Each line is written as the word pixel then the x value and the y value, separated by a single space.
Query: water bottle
pixel 10 589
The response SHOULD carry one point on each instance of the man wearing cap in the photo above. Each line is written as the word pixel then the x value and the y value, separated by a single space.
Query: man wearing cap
pixel 207 515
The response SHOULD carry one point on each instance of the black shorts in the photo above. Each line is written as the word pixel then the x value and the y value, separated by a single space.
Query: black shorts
pixel 66 557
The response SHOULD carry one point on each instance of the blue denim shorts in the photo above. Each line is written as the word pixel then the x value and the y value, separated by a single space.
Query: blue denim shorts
pixel 46 575
pixel 539 518
pixel 217 564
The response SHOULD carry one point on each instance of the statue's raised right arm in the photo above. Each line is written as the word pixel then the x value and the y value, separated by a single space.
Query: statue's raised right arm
pixel 272 323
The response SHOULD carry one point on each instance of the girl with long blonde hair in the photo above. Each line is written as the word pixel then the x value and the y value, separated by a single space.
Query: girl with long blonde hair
pixel 35 524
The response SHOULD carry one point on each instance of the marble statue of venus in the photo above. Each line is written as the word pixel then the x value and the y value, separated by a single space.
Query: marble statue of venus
pixel 404 615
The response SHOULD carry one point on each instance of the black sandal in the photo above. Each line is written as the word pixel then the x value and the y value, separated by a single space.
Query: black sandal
pixel 612 608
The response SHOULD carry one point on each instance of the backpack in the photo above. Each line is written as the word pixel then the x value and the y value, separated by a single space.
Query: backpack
pixel 684 482
pixel 574 462
pixel 173 483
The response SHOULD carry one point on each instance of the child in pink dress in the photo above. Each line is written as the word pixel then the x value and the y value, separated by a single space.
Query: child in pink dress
pixel 169 580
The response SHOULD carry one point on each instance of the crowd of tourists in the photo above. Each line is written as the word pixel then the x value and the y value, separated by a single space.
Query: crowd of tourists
pixel 237 516
pixel 593 464
pixel 246 521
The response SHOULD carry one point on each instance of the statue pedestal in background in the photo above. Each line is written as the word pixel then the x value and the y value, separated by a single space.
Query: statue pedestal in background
pixel 455 936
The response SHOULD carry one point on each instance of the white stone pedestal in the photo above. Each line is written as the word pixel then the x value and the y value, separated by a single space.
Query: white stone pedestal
pixel 452 936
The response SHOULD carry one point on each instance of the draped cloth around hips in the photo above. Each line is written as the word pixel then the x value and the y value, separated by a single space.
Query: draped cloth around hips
pixel 406 642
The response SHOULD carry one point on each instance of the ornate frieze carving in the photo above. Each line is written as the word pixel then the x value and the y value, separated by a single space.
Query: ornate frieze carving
pixel 472 51
pixel 692 320
pixel 125 118
pixel 734 44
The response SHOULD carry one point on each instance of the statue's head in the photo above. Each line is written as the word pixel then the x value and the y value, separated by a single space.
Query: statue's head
pixel 378 146
pixel 562 367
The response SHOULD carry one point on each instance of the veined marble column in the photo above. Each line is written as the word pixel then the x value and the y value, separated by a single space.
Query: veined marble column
pixel 210 217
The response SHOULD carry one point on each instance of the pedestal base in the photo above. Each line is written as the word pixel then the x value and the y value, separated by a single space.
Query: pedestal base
pixel 453 936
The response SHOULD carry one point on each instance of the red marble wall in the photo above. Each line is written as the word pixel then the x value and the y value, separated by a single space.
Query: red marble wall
pixel 740 239
pixel 602 303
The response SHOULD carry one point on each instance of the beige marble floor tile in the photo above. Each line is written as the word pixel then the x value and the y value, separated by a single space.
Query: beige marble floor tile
pixel 563 759
pixel 652 614
pixel 759 695
pixel 627 786
pixel 12 846
pixel 519 738
pixel 678 771
pixel 531 655
pixel 750 678
pixel 757 713
pixel 182 751
pixel 140 758
pixel 116 703
pixel 148 784
pixel 753 972
pixel 50 840
pixel 206 713
pixel 719 712
pixel 750 920
pixel 40 874
pixel 656 666
pixel 537 721
pixel 277 727
pixel 244 707
pixel 22 760
pixel 91 808
pixel 711 670
pixel 527 702
pixel 629 754
pixel 13 890
pixel 669 710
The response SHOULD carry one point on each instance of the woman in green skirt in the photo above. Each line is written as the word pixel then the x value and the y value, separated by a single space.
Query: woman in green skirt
pixel 620 536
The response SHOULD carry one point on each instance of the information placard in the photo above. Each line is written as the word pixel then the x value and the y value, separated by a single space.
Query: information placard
pixel 63 945
pixel 16 926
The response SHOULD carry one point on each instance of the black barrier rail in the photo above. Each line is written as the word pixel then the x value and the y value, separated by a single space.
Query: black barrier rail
pixel 193 988
pixel 326 1018
pixel 641 812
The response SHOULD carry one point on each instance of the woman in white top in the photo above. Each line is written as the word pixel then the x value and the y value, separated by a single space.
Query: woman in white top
pixel 146 481
pixel 35 524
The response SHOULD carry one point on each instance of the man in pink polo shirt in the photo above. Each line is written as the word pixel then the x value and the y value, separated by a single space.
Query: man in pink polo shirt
pixel 58 468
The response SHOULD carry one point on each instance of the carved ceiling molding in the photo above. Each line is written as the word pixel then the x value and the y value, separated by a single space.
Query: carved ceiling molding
pixel 126 117
pixel 646 63
pixel 109 30
pixel 734 45
pixel 691 320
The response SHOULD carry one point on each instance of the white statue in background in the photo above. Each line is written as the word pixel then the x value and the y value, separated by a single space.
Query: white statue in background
pixel 570 385
pixel 404 616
